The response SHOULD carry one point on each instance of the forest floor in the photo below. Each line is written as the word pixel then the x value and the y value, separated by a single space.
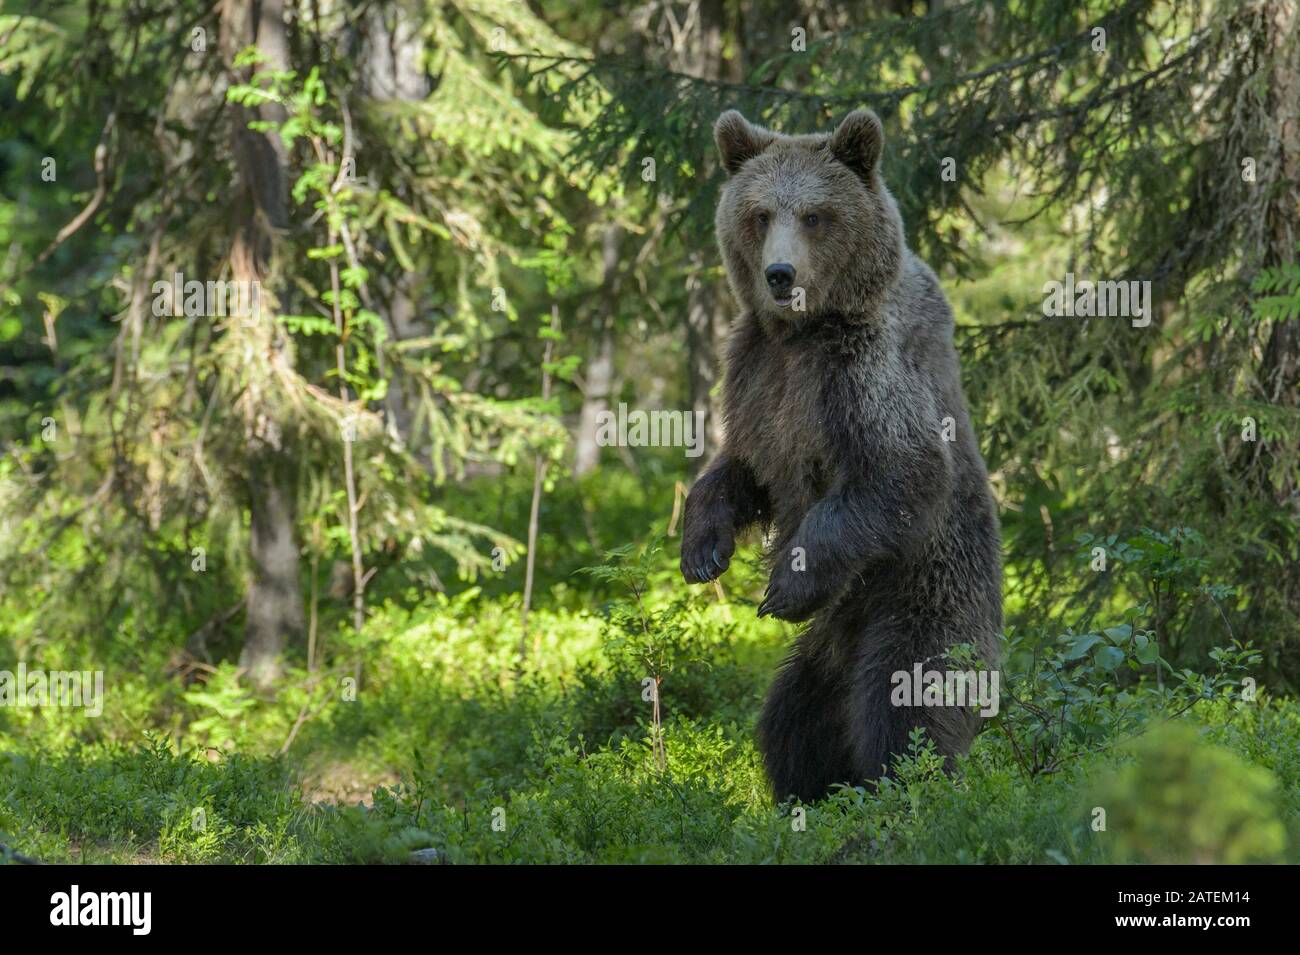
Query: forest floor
pixel 449 744
pixel 562 768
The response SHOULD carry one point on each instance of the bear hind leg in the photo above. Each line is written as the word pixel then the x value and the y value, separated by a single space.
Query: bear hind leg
pixel 801 731
pixel 879 730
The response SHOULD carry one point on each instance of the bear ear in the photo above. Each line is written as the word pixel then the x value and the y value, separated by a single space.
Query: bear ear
pixel 738 140
pixel 857 143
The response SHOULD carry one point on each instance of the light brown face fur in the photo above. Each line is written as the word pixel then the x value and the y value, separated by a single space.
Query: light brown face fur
pixel 816 203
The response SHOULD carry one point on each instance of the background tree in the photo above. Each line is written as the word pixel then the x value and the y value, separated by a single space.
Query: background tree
pixel 207 431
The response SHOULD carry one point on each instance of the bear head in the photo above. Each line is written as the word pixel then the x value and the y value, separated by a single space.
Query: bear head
pixel 807 229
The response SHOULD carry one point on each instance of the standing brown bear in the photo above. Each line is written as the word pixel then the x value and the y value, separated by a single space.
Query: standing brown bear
pixel 849 440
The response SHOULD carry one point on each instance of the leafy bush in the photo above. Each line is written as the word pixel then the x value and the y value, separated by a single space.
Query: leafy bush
pixel 451 744
pixel 1183 801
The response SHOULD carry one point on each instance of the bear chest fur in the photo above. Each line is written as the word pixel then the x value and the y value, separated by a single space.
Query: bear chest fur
pixel 775 413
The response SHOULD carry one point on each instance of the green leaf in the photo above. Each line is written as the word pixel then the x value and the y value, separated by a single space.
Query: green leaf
pixel 1109 658
pixel 1081 645
pixel 1119 633
pixel 1147 652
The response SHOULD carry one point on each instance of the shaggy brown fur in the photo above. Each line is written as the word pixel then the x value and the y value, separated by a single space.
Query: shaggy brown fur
pixel 848 437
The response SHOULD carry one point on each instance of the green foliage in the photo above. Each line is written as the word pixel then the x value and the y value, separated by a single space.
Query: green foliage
pixel 120 468
pixel 658 656
pixel 1059 124
pixel 435 226
pixel 146 802
pixel 449 746
pixel 1074 693
pixel 1182 801
pixel 1277 293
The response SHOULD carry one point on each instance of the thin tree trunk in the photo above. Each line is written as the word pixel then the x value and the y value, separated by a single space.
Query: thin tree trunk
pixel 702 354
pixel 539 472
pixel 274 607
pixel 600 367
pixel 349 469
pixel 706 316
pixel 314 606
pixel 392 63
pixel 595 401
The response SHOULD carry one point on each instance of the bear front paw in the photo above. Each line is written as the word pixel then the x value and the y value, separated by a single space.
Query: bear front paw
pixel 791 596
pixel 706 554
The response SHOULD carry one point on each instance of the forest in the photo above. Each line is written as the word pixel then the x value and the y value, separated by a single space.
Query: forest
pixel 358 359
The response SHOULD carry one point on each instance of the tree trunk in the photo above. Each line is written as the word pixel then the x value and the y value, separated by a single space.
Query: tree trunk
pixel 274 610
pixel 1279 376
pixel 600 366
pixel 595 401
pixel 707 320
pixel 392 61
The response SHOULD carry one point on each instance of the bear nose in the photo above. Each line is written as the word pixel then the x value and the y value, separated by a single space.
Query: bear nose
pixel 779 276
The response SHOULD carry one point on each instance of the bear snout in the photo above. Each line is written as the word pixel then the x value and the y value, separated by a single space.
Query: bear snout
pixel 780 280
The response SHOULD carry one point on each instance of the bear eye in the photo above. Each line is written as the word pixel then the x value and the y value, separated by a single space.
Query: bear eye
pixel 763 220
pixel 811 219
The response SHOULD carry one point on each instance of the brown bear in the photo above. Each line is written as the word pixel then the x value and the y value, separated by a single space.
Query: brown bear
pixel 848 439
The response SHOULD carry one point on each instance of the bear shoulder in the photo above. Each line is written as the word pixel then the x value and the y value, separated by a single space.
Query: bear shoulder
pixel 919 316
pixel 918 298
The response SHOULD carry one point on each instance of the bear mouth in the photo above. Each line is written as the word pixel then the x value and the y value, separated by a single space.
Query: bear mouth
pixel 783 301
